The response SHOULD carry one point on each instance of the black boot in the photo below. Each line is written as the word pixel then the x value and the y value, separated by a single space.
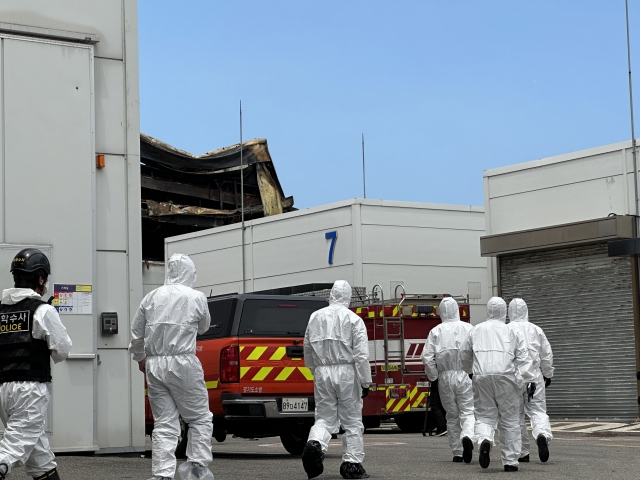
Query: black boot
pixel 543 448
pixel 50 475
pixel 467 452
pixel 352 470
pixel 510 468
pixel 524 459
pixel 485 448
pixel 457 459
pixel 4 468
pixel 312 458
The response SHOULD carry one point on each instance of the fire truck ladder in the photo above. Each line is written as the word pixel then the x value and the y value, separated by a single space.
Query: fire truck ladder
pixel 375 327
pixel 399 321
pixel 387 322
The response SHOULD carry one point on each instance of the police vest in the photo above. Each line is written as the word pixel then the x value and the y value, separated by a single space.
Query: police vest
pixel 22 358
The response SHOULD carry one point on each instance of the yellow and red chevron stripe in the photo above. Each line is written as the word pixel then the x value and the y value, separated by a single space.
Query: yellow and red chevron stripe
pixel 394 311
pixel 268 363
pixel 402 404
pixel 362 311
pixel 265 353
pixel 417 398
pixel 275 374
pixel 414 399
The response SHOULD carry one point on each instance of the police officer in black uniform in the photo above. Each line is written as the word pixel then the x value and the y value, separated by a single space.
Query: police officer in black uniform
pixel 31 334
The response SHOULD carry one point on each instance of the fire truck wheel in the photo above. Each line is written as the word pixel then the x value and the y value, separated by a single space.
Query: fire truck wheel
pixel 371 422
pixel 410 422
pixel 219 435
pixel 181 449
pixel 294 442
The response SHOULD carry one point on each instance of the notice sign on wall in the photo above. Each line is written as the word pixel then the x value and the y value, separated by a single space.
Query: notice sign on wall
pixel 73 299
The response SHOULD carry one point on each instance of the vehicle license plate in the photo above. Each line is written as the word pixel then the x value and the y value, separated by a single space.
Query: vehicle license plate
pixel 423 384
pixel 295 404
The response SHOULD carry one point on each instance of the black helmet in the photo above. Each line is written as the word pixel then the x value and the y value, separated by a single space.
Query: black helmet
pixel 30 260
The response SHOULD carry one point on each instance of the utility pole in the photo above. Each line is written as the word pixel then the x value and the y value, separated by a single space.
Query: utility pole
pixel 633 134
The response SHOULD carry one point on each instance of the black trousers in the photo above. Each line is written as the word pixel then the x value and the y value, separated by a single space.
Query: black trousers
pixel 437 412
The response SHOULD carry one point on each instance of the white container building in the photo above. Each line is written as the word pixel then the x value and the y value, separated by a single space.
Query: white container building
pixel 427 248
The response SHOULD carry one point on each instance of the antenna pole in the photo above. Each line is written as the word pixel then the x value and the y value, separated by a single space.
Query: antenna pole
pixel 633 135
pixel 242 198
pixel 636 260
pixel 364 177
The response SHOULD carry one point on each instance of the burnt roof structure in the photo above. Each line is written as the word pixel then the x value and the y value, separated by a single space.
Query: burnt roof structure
pixel 183 193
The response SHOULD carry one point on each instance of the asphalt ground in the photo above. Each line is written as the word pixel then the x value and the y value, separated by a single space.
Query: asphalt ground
pixel 390 455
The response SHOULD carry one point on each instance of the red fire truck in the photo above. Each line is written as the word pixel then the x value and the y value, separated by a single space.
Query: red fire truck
pixel 398 331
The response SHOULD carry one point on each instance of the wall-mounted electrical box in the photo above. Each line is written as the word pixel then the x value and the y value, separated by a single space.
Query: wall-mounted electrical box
pixel 109 323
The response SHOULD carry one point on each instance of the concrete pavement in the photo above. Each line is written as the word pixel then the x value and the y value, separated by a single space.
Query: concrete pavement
pixel 568 427
pixel 390 455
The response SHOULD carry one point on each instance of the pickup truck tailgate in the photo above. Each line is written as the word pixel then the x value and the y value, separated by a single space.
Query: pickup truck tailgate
pixel 273 366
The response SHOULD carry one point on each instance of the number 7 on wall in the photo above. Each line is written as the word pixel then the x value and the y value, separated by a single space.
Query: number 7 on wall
pixel 334 237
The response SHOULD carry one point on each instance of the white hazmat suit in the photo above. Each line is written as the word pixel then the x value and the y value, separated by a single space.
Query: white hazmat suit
pixel 336 349
pixel 23 405
pixel 164 332
pixel 441 358
pixel 497 354
pixel 542 358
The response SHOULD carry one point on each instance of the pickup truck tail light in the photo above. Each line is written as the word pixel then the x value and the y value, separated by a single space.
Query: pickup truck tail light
pixel 230 364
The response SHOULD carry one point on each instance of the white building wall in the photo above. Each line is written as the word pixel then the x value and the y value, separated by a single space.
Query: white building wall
pixel 152 276
pixel 428 248
pixel 568 188
pixel 101 378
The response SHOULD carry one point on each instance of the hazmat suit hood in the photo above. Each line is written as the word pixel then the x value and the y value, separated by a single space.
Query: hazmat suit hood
pixel 11 296
pixel 180 270
pixel 340 294
pixel 518 311
pixel 449 310
pixel 497 309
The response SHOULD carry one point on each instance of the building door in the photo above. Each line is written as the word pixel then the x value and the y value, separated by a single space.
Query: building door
pixel 47 197
pixel 583 301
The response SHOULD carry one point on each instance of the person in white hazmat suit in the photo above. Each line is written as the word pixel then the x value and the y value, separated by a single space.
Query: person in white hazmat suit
pixel 163 342
pixel 32 335
pixel 336 350
pixel 441 358
pixel 542 358
pixel 500 362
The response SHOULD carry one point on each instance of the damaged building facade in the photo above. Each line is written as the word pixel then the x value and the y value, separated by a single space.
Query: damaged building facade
pixel 183 193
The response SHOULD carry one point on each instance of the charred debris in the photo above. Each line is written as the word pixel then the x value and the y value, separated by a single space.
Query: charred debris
pixel 183 193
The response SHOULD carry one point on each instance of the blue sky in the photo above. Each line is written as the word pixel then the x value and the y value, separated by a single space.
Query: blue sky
pixel 441 89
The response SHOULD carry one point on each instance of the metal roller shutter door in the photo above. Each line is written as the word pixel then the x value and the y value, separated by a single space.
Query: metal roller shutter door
pixel 583 301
